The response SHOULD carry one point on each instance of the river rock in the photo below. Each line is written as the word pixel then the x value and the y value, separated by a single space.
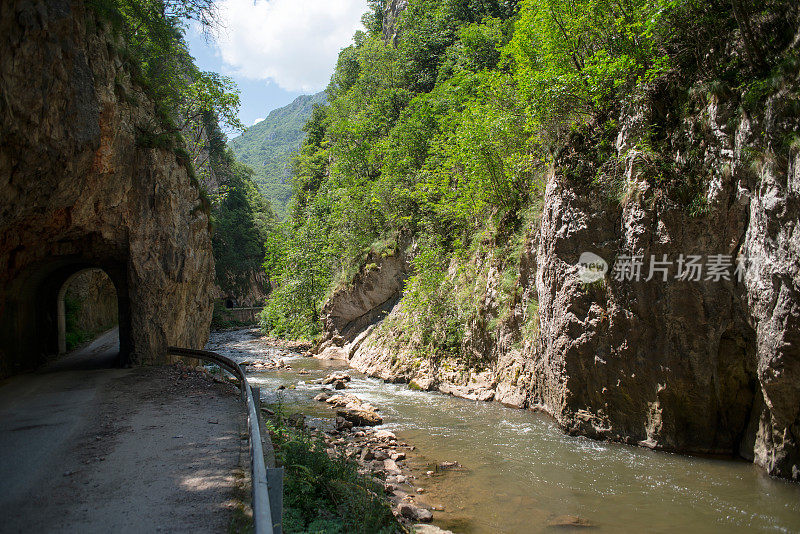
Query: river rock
pixel 367 454
pixel 449 465
pixel 344 400
pixel 343 424
pixel 424 383
pixel 336 377
pixel 339 384
pixel 360 417
pixel 384 435
pixel 470 392
pixel 430 529
pixel 322 397
pixel 390 467
pixel 414 513
pixel 398 456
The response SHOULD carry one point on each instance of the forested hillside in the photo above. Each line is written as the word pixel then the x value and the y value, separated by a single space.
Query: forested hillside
pixel 449 135
pixel 267 148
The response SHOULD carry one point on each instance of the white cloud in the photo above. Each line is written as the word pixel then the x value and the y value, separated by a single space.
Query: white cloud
pixel 258 120
pixel 294 43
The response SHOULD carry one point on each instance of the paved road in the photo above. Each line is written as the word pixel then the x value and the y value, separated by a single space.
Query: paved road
pixel 88 448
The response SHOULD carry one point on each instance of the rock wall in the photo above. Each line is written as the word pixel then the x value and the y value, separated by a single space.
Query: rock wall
pixel 351 312
pixel 699 366
pixel 391 19
pixel 80 188
pixel 96 299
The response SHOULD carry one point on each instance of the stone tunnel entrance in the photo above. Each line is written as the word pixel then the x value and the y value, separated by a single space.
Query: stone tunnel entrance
pixel 79 190
pixel 55 305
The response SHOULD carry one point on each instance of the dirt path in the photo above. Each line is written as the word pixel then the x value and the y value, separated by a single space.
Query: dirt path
pixel 87 449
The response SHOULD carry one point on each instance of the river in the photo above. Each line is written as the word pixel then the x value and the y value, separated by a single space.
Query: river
pixel 520 471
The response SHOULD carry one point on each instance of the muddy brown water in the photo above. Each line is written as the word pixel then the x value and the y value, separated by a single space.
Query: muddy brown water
pixel 521 473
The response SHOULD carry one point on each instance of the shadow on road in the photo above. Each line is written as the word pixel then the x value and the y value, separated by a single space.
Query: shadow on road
pixel 102 353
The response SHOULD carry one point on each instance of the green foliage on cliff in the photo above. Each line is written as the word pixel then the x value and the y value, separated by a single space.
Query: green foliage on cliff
pixel 242 220
pixel 153 34
pixel 448 136
pixel 190 107
pixel 267 147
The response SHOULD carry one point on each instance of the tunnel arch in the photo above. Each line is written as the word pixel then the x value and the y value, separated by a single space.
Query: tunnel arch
pixel 33 311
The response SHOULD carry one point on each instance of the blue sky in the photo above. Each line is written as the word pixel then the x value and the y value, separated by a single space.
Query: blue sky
pixel 259 97
pixel 276 50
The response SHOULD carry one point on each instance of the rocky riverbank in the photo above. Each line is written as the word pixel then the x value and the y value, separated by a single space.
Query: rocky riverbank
pixel 520 474
pixel 378 453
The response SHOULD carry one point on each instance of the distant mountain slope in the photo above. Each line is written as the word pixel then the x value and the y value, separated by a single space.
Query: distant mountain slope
pixel 267 147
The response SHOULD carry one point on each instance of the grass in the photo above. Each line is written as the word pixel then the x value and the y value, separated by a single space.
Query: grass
pixel 324 494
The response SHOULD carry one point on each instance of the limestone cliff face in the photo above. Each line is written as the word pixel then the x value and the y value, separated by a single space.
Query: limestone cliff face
pixel 351 312
pixel 81 189
pixel 391 15
pixel 703 366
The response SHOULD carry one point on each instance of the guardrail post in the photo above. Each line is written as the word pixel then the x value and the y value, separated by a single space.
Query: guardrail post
pixel 275 490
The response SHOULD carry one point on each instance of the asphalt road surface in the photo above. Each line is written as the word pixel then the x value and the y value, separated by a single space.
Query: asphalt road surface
pixel 85 447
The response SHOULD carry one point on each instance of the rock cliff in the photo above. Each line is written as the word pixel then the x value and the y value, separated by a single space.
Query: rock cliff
pixel 697 365
pixel 81 187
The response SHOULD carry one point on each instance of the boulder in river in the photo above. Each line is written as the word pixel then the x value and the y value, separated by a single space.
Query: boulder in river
pixel 360 416
pixel 322 397
pixel 449 465
pixel 414 513
pixel 336 377
pixel 343 424
pixel 343 400
pixel 385 435
pixel 390 467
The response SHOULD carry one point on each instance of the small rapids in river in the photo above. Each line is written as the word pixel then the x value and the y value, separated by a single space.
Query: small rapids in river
pixel 521 473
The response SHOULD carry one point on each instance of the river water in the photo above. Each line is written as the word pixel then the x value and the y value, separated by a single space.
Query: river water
pixel 521 472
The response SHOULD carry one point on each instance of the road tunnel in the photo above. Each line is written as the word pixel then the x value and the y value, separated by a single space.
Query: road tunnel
pixel 34 311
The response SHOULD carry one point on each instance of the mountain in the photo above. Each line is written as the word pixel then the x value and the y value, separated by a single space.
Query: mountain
pixel 267 147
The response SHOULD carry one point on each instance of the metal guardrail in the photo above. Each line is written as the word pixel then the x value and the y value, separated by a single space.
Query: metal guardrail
pixel 262 513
